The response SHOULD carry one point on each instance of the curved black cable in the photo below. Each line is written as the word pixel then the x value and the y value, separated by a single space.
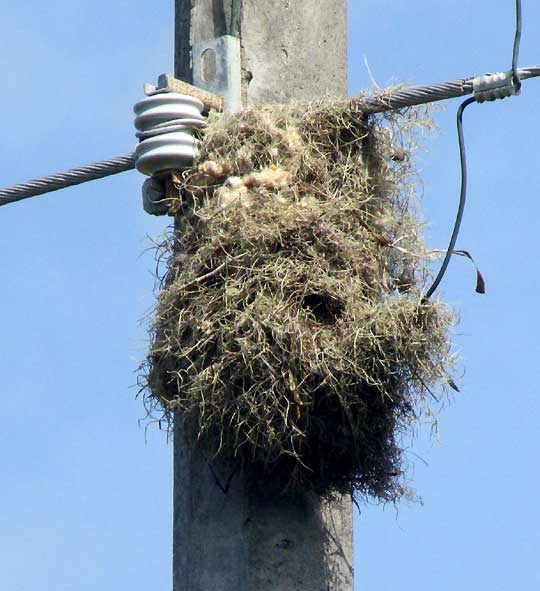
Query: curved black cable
pixel 462 200
pixel 517 41
pixel 463 156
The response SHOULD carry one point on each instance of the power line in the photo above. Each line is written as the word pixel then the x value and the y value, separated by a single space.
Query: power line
pixel 420 95
pixel 62 180
pixel 414 96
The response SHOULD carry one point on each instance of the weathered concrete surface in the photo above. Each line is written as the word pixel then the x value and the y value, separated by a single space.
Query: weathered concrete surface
pixel 291 48
pixel 224 538
pixel 294 49
pixel 228 540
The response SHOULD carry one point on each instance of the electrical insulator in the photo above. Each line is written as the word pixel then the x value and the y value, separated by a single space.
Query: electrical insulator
pixel 166 123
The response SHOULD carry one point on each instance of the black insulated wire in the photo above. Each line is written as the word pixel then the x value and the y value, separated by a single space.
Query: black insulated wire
pixel 462 200
pixel 517 41
pixel 463 156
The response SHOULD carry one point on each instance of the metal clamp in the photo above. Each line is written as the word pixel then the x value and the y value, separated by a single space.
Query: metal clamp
pixel 492 87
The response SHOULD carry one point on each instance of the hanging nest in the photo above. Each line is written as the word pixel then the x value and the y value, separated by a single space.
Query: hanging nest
pixel 290 332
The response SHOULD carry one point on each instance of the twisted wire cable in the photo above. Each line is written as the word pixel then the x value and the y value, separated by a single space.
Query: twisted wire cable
pixel 420 95
pixel 410 97
pixel 416 95
pixel 68 178
pixel 530 72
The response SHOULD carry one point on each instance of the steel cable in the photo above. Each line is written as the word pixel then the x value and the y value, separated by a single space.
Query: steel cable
pixel 65 179
pixel 416 95
pixel 419 95
pixel 400 99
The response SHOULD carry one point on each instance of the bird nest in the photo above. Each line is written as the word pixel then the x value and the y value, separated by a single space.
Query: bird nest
pixel 291 332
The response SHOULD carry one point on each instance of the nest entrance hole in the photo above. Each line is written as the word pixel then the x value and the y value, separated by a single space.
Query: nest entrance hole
pixel 325 309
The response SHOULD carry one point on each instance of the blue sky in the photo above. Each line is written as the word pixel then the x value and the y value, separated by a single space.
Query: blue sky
pixel 86 493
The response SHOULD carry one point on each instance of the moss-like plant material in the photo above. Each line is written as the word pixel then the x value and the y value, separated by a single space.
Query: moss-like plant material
pixel 290 330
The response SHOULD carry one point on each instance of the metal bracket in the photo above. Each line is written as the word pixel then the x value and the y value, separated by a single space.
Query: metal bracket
pixel 217 69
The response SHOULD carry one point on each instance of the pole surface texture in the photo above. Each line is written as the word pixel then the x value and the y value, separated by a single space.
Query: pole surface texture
pixel 225 539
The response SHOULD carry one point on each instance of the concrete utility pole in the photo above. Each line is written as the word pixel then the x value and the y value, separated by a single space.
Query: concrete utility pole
pixel 226 539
